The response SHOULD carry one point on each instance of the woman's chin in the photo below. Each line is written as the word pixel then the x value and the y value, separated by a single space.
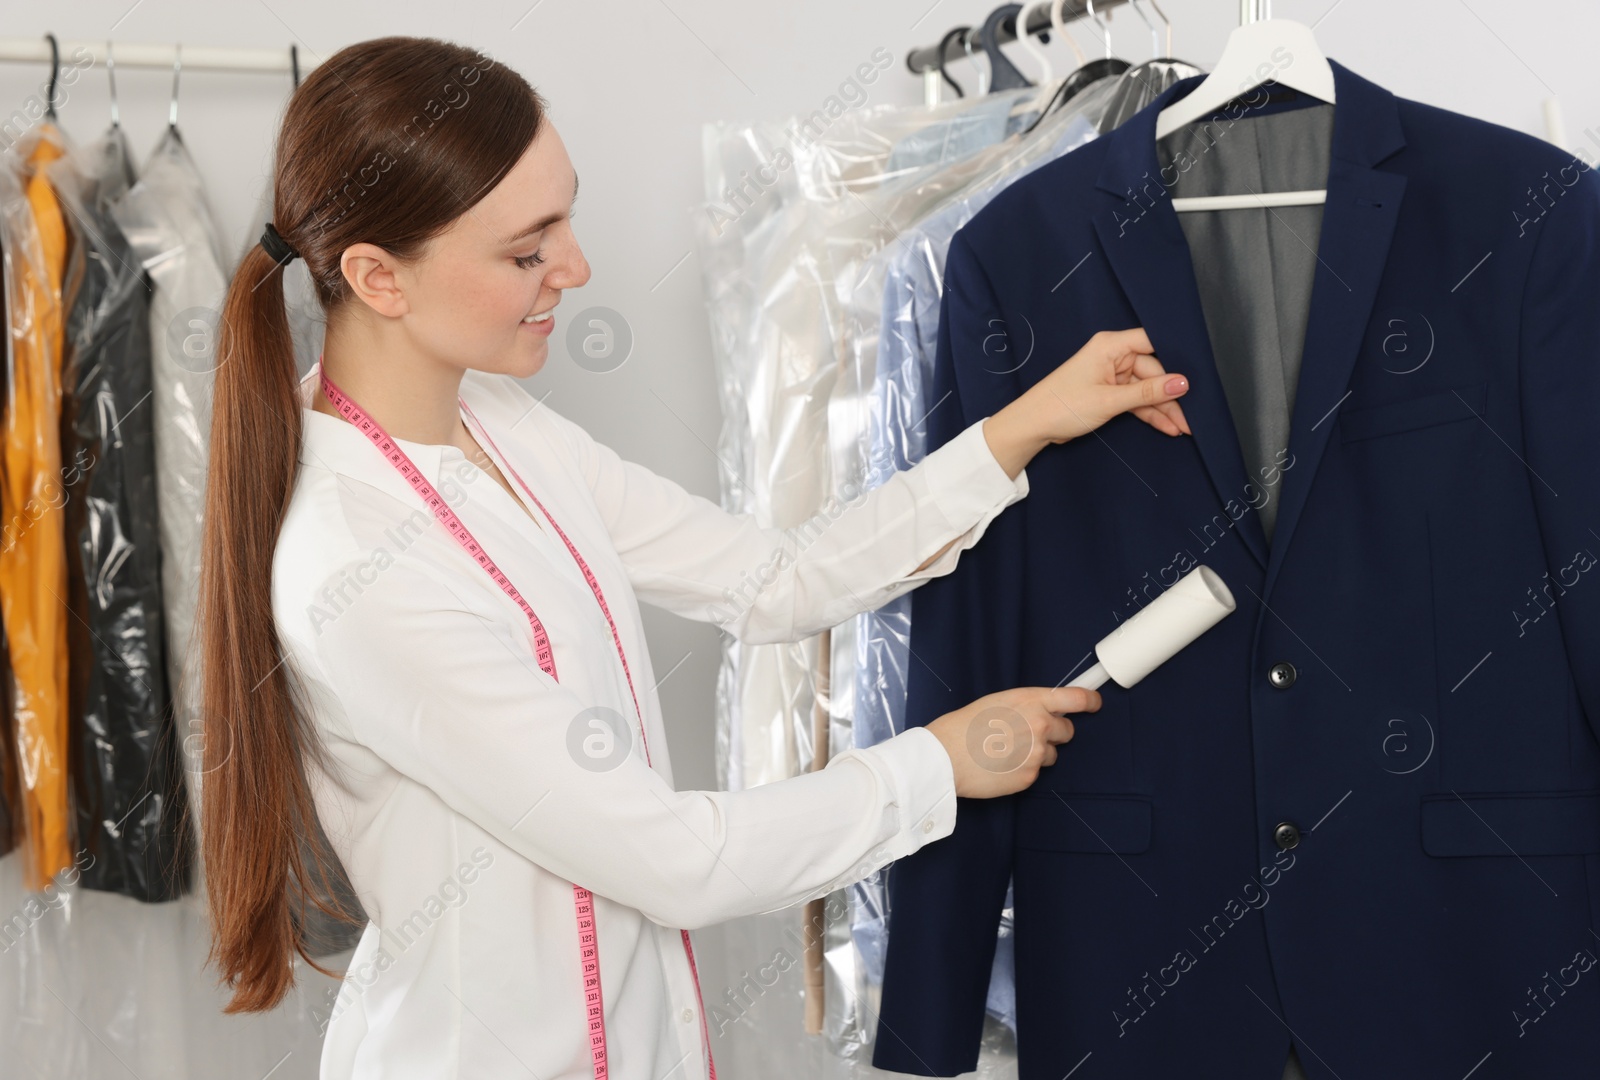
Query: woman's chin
pixel 521 362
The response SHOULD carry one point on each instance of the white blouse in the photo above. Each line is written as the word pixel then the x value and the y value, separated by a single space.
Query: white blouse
pixel 465 790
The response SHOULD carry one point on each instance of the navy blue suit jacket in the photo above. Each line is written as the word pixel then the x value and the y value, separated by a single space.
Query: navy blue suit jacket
pixel 1432 580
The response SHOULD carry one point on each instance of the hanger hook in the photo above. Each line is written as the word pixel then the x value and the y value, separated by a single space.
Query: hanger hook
pixel 983 75
pixel 294 64
pixel 1003 74
pixel 1155 37
pixel 1060 24
pixel 1105 28
pixel 177 67
pixel 1047 71
pixel 55 73
pixel 1165 22
pixel 111 77
pixel 944 43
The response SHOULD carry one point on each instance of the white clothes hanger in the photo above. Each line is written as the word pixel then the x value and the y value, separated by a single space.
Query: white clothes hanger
pixel 1167 55
pixel 1155 35
pixel 1102 25
pixel 111 76
pixel 1555 126
pixel 1254 55
pixel 982 69
pixel 1030 44
pixel 1047 82
pixel 1059 24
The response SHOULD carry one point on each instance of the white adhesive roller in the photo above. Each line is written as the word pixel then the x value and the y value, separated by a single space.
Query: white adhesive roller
pixel 1158 631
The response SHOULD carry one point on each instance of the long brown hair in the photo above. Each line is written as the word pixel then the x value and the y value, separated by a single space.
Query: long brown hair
pixel 387 142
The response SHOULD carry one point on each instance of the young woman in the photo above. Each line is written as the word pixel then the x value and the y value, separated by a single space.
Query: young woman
pixel 420 622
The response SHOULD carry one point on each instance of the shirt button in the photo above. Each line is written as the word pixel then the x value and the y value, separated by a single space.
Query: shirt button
pixel 1282 675
pixel 688 1016
pixel 1286 835
pixel 927 826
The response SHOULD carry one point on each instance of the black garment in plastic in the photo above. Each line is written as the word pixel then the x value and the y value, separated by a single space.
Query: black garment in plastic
pixel 133 832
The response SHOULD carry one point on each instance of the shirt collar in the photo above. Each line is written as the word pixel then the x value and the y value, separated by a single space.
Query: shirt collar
pixel 332 443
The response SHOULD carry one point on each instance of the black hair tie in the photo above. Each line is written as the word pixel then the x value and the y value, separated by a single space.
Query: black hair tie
pixel 276 246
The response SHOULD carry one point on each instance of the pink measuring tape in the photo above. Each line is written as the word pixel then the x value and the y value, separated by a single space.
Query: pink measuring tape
pixel 583 899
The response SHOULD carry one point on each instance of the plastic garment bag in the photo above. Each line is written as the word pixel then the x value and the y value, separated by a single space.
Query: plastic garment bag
pixel 95 985
pixel 795 211
pixel 894 319
pixel 10 796
pixel 32 552
pixel 791 206
pixel 127 777
pixel 1141 85
pixel 898 363
pixel 98 986
pixel 10 799
pixel 168 223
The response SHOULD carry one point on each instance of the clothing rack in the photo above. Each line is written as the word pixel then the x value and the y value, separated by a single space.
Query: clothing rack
pixel 36 50
pixel 925 58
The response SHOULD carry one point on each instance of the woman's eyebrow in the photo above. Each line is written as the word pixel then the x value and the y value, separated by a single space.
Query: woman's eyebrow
pixel 549 218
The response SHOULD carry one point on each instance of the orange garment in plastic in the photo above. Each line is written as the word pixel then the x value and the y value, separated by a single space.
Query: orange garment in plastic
pixel 33 580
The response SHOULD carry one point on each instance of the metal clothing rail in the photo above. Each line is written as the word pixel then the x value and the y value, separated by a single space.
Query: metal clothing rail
pixel 132 54
pixel 925 58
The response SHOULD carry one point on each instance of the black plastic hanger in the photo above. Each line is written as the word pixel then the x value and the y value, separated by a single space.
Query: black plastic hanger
pixel 1078 81
pixel 944 43
pixel 55 74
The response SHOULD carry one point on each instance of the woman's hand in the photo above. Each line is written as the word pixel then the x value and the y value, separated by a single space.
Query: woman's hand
pixel 998 743
pixel 1112 374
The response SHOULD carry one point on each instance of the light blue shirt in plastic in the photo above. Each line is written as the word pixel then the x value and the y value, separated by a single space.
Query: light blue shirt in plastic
pixel 907 342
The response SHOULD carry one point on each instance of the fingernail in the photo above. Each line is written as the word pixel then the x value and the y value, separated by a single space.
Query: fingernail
pixel 1176 384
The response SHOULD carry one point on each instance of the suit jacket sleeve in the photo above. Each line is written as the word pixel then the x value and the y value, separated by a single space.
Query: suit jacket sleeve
pixel 945 900
pixel 1560 376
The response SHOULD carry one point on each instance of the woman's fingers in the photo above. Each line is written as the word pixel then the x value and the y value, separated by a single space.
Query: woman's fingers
pixel 1132 366
pixel 1062 700
pixel 1158 420
pixel 1118 344
pixel 1138 375
pixel 998 744
pixel 1165 416
pixel 1157 395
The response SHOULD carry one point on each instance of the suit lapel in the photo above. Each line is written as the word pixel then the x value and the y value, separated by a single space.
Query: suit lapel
pixel 1150 256
pixel 1358 224
pixel 1145 245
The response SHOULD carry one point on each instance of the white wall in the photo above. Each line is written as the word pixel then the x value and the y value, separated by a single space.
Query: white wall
pixel 630 85
pixel 631 82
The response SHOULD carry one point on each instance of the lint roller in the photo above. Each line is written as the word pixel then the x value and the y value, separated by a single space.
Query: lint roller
pixel 1159 630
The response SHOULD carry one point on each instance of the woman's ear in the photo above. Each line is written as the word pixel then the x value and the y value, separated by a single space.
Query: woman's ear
pixel 376 278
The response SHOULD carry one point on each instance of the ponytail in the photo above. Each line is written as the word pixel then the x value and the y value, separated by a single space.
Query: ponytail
pixel 375 147
pixel 256 805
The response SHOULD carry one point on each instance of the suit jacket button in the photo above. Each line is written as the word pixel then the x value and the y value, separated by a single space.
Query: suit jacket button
pixel 1282 675
pixel 1286 835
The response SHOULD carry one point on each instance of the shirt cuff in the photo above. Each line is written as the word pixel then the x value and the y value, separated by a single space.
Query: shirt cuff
pixel 967 481
pixel 921 783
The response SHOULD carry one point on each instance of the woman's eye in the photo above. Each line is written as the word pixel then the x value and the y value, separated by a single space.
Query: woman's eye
pixel 528 262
